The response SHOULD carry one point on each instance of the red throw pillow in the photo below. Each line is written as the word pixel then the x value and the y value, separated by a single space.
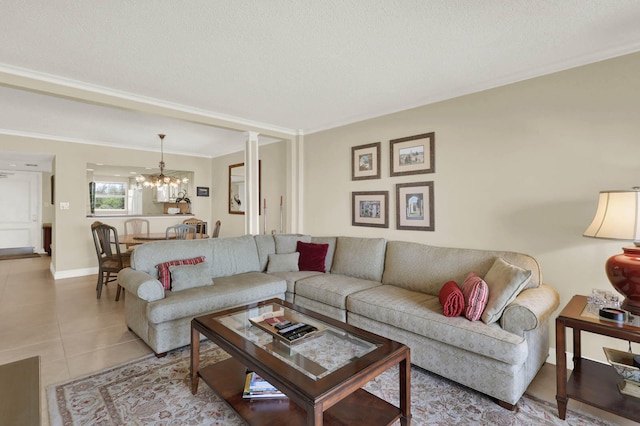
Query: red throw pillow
pixel 451 299
pixel 476 295
pixel 312 256
pixel 164 276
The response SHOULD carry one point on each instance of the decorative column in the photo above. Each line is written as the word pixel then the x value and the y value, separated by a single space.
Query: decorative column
pixel 295 183
pixel 252 185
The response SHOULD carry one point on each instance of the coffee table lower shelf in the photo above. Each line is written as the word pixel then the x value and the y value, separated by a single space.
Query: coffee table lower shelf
pixel 227 377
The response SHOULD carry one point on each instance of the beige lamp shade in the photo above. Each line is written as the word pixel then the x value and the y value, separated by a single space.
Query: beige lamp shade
pixel 617 216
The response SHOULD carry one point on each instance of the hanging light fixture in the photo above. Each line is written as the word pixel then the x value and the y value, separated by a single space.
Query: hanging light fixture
pixel 160 179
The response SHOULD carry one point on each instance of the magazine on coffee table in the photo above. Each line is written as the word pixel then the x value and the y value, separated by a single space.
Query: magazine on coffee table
pixel 286 328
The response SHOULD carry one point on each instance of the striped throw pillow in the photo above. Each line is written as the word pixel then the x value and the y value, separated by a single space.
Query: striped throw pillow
pixel 164 276
pixel 476 294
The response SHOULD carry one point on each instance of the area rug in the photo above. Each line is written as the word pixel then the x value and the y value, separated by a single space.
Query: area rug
pixel 155 391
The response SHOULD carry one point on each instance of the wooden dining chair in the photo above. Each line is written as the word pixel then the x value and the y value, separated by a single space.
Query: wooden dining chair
pixel 198 223
pixel 216 230
pixel 135 226
pixel 110 259
pixel 181 232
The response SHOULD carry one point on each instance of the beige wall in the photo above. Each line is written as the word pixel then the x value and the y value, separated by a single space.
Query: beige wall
pixel 273 172
pixel 73 252
pixel 517 168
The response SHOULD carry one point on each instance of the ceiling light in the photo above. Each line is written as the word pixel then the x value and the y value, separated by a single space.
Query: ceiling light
pixel 160 179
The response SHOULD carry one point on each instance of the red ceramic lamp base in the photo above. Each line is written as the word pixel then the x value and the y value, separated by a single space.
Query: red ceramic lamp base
pixel 623 271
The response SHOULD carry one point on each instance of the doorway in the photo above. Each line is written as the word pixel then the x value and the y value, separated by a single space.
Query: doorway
pixel 20 211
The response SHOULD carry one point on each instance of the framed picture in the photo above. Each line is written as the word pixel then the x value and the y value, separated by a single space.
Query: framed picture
pixel 413 155
pixel 365 161
pixel 370 208
pixel 236 199
pixel 414 206
pixel 202 191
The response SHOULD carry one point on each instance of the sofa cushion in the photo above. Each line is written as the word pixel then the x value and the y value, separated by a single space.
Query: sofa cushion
pixel 332 289
pixel 232 256
pixel 331 241
pixel 189 276
pixel 286 243
pixel 312 256
pixel 283 262
pixel 424 268
pixel 505 282
pixel 227 292
pixel 164 273
pixel 359 257
pixel 422 314
pixel 293 277
pixel 146 256
pixel 476 294
pixel 266 245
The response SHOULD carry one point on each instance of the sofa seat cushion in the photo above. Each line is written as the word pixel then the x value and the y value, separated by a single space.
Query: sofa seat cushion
pixel 227 292
pixel 292 277
pixel 332 289
pixel 422 314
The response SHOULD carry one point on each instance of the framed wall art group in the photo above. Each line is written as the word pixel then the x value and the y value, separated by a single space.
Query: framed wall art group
pixel 414 201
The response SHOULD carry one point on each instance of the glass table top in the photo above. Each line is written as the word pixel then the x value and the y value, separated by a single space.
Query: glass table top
pixel 317 354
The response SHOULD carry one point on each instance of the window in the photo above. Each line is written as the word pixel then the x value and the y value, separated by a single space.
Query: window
pixel 111 196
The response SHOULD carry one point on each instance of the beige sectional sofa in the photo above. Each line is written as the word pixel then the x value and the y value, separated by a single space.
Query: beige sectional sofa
pixel 388 287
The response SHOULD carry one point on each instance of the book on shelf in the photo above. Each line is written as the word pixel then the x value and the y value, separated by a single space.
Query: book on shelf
pixel 630 388
pixel 257 387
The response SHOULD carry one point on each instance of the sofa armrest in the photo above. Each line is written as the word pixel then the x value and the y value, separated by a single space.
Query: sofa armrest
pixel 531 308
pixel 141 284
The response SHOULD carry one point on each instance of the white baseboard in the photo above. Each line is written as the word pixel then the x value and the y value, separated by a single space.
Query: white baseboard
pixel 72 273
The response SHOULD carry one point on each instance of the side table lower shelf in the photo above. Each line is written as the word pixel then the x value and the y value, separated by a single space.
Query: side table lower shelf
pixel 227 378
pixel 596 384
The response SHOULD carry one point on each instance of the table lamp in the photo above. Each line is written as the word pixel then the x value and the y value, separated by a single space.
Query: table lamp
pixel 618 217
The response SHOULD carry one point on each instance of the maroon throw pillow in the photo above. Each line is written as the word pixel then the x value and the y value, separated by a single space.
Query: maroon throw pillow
pixel 164 276
pixel 476 295
pixel 312 256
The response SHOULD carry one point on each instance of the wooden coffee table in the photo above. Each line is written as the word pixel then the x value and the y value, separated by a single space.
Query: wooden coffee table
pixel 321 375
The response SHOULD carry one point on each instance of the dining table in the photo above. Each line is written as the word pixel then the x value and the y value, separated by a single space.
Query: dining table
pixel 134 239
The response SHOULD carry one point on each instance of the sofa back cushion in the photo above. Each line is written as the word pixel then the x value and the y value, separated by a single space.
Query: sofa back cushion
pixel 232 256
pixel 331 241
pixel 424 268
pixel 359 257
pixel 266 246
pixel 146 256
pixel 287 243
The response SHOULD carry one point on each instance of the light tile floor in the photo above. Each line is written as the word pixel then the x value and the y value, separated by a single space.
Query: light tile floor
pixel 76 334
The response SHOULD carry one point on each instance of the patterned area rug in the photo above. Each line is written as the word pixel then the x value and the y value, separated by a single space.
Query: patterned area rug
pixel 155 391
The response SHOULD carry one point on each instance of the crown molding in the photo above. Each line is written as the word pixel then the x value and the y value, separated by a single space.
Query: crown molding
pixel 27 79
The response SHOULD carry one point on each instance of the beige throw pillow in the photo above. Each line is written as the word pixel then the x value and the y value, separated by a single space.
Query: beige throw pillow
pixel 505 281
pixel 283 262
pixel 189 276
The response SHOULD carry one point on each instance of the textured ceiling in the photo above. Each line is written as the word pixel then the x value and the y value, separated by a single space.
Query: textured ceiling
pixel 283 66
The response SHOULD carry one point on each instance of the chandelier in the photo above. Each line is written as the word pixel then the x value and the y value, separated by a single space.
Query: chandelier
pixel 160 179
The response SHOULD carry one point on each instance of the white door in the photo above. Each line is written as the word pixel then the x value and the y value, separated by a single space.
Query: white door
pixel 20 197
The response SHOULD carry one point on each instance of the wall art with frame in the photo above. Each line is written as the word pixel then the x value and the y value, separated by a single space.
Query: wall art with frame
pixel 413 155
pixel 365 161
pixel 370 208
pixel 414 206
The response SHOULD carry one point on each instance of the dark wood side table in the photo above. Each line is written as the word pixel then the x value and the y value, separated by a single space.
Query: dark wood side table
pixel 591 382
